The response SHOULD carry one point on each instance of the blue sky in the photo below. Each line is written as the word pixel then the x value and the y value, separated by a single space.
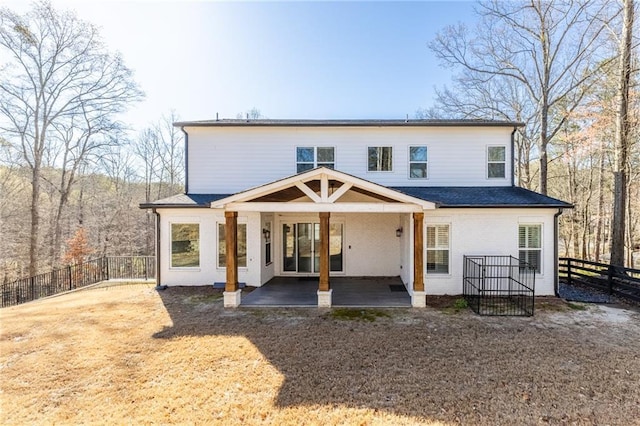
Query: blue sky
pixel 288 59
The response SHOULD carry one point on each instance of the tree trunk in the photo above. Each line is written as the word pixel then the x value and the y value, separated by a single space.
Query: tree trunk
pixel 543 149
pixel 600 208
pixel 622 140
pixel 35 219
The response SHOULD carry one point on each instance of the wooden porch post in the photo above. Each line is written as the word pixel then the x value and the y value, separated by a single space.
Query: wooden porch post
pixel 231 239
pixel 324 251
pixel 418 252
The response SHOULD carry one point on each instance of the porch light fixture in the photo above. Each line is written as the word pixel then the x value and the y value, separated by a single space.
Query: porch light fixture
pixel 266 233
pixel 399 232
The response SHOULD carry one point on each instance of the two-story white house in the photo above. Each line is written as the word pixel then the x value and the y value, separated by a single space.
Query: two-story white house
pixel 350 198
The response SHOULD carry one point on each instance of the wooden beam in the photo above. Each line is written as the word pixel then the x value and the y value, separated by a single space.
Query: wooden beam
pixel 323 207
pixel 418 251
pixel 340 192
pixel 308 192
pixel 231 239
pixel 324 251
pixel 324 187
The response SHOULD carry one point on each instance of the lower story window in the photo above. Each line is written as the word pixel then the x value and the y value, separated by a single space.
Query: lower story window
pixel 438 249
pixel 242 245
pixel 185 245
pixel 530 245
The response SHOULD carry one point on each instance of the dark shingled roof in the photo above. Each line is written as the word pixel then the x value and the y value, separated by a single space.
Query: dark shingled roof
pixel 348 123
pixel 185 200
pixel 443 196
pixel 481 196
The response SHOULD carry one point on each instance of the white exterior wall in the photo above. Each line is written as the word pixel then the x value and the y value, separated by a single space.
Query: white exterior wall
pixel 224 160
pixel 208 272
pixel 487 232
pixel 371 247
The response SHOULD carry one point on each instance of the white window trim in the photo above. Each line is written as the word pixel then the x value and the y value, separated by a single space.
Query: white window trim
pixel 217 252
pixel 541 249
pixel 417 162
pixel 426 249
pixel 487 162
pixel 315 156
pixel 392 159
pixel 268 223
pixel 185 268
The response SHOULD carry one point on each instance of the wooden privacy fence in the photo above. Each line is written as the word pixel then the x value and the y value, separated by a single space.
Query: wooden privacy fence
pixel 615 280
pixel 77 276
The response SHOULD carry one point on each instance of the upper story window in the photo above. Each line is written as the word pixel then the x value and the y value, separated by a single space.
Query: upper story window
pixel 417 162
pixel 380 159
pixel 310 157
pixel 185 245
pixel 496 162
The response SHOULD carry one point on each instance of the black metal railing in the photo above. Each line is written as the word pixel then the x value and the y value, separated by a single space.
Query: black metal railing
pixel 615 280
pixel 499 285
pixel 77 276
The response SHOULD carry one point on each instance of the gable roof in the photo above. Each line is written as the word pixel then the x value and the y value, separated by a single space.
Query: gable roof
pixel 348 123
pixel 482 196
pixel 299 180
pixel 442 196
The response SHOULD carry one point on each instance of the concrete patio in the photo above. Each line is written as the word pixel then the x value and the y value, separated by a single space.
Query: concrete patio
pixel 347 291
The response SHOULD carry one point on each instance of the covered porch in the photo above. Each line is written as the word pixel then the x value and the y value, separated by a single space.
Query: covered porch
pixel 323 198
pixel 347 291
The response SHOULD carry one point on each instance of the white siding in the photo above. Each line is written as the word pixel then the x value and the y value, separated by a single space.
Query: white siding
pixel 371 247
pixel 208 272
pixel 228 160
pixel 486 232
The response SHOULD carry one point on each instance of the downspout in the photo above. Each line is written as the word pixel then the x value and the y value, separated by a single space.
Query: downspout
pixel 159 286
pixel 513 157
pixel 556 272
pixel 186 160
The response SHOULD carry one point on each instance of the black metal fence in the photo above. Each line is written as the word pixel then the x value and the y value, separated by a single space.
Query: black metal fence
pixel 499 285
pixel 616 280
pixel 77 276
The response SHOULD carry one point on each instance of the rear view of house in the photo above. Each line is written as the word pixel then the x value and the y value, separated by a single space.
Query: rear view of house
pixel 351 198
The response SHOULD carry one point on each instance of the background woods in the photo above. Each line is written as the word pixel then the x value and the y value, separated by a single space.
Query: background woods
pixel 567 69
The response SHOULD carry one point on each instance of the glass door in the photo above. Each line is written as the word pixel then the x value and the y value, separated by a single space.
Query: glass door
pixel 301 247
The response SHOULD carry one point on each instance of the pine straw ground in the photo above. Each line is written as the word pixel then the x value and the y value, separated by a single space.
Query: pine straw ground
pixel 131 355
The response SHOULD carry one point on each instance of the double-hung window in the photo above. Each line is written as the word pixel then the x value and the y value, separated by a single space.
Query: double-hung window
pixel 379 159
pixel 185 245
pixel 242 245
pixel 310 157
pixel 437 249
pixel 417 162
pixel 496 162
pixel 530 245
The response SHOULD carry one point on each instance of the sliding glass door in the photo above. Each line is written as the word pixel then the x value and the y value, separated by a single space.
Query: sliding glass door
pixel 301 247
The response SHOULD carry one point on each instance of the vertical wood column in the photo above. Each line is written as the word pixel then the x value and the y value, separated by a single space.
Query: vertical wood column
pixel 231 239
pixel 418 251
pixel 324 251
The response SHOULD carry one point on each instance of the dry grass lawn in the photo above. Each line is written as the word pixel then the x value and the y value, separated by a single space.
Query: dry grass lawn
pixel 131 355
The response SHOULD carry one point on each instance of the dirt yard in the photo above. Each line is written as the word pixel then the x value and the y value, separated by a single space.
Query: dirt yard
pixel 131 355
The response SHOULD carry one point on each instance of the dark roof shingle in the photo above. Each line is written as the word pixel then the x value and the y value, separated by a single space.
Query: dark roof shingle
pixel 481 196
pixel 185 200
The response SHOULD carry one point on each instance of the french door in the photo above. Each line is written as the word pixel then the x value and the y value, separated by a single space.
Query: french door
pixel 301 247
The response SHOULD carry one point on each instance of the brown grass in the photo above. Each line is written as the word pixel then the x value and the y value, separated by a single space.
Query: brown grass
pixel 132 355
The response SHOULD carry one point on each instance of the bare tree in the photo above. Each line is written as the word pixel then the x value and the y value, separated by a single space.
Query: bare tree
pixel 550 49
pixel 250 114
pixel 57 68
pixel 622 138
